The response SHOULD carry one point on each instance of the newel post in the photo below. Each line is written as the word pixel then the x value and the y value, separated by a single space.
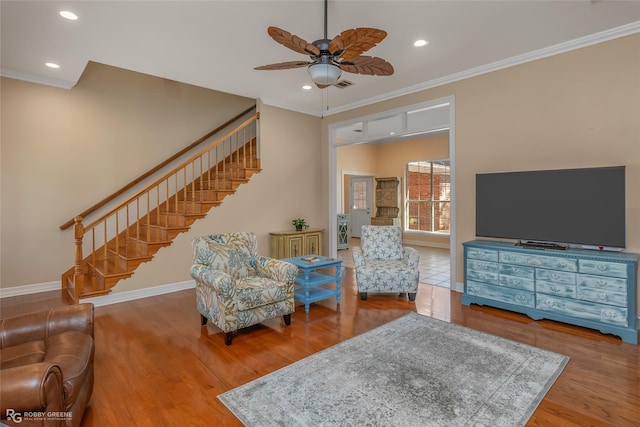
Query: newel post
pixel 78 276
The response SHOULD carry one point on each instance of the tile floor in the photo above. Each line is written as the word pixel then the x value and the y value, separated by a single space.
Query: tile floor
pixel 434 263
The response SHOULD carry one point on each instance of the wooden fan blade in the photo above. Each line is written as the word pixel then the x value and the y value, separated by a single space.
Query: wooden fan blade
pixel 294 43
pixel 284 65
pixel 359 40
pixel 322 86
pixel 369 65
pixel 336 46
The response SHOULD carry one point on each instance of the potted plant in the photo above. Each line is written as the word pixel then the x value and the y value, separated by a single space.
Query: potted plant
pixel 299 224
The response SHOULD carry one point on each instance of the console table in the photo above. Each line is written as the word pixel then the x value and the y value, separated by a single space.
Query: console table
pixel 582 287
pixel 287 244
pixel 310 282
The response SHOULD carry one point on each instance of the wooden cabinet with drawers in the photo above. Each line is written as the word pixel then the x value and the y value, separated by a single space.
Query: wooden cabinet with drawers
pixel 289 244
pixel 582 287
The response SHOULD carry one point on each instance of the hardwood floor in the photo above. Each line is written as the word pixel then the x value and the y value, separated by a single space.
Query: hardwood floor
pixel 155 365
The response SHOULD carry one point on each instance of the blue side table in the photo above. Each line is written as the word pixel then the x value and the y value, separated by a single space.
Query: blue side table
pixel 310 282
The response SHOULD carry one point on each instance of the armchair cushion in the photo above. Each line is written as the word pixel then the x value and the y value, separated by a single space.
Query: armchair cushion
pixel 381 242
pixel 22 354
pixel 255 291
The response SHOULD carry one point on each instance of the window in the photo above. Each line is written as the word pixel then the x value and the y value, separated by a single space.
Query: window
pixel 428 196
pixel 360 195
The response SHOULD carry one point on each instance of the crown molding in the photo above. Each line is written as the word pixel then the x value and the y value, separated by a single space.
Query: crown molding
pixel 614 33
pixel 31 78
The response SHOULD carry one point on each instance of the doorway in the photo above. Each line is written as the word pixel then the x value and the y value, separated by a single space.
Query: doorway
pixel 419 119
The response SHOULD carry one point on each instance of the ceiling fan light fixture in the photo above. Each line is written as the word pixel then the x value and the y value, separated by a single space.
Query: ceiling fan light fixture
pixel 324 74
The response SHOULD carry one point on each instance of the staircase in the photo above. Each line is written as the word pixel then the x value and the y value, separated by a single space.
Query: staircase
pixel 131 233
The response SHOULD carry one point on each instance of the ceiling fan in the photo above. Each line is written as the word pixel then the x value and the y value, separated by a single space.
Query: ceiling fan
pixel 330 57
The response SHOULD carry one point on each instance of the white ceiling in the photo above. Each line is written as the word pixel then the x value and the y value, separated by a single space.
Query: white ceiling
pixel 216 44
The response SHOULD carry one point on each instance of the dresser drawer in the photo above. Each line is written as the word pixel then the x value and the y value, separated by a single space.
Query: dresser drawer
pixel 603 268
pixel 491 267
pixel 482 276
pixel 497 293
pixel 603 296
pixel 483 254
pixel 556 276
pixel 582 309
pixel 558 289
pixel 554 263
pixel 517 282
pixel 517 271
pixel 602 283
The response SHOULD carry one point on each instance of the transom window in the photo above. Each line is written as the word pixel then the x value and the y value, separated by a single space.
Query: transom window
pixel 428 196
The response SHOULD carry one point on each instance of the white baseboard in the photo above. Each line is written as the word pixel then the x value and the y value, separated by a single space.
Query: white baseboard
pixel 30 289
pixel 458 287
pixel 115 298
pixel 425 244
pixel 112 298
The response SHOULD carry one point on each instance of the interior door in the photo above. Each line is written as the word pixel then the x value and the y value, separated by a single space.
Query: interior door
pixel 359 203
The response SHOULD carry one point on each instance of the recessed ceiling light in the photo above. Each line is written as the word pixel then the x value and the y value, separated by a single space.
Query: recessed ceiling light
pixel 52 65
pixel 68 15
pixel 421 42
pixel 306 87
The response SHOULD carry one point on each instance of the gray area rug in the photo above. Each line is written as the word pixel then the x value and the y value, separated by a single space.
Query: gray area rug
pixel 413 371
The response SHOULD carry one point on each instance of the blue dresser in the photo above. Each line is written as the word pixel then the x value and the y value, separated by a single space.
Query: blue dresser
pixel 587 288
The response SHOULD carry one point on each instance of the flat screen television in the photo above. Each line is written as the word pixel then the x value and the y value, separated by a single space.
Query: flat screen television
pixel 569 206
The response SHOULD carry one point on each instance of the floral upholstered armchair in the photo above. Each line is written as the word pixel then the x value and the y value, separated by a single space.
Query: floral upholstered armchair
pixel 235 287
pixel 382 264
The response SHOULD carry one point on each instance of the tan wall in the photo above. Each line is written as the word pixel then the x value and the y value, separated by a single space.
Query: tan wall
pixel 286 188
pixel 389 160
pixel 64 150
pixel 359 159
pixel 577 109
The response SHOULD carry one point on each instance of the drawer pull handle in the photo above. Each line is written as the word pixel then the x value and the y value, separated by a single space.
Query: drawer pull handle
pixel 555 289
pixel 601 282
pixel 515 281
pixel 534 261
pixel 555 276
pixel 602 297
pixel 601 267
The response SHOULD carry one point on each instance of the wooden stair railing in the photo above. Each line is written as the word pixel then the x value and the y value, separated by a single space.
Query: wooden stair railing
pixel 158 167
pixel 131 233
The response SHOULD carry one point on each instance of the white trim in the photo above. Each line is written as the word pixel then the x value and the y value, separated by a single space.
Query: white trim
pixel 18 75
pixel 422 243
pixel 119 297
pixel 611 34
pixel 458 287
pixel 112 298
pixel 452 204
pixel 30 289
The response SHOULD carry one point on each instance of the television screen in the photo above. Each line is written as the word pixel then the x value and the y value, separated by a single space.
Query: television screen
pixel 580 206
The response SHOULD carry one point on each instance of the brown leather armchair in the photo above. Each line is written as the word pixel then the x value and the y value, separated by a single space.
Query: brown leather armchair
pixel 46 373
